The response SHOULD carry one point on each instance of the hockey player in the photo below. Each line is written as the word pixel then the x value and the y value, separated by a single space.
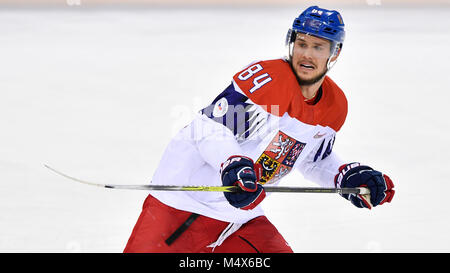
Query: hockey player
pixel 275 116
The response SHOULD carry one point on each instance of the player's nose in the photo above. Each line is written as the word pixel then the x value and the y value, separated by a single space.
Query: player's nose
pixel 308 53
pixel 305 54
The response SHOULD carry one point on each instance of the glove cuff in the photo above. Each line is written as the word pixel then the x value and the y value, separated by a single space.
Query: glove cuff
pixel 257 200
pixel 239 160
pixel 343 170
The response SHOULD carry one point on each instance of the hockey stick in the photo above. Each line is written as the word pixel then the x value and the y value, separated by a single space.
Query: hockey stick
pixel 362 191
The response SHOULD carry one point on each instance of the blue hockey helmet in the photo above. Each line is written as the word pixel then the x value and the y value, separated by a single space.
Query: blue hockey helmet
pixel 322 23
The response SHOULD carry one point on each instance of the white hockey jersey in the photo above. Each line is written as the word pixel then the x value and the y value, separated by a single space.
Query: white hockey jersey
pixel 262 114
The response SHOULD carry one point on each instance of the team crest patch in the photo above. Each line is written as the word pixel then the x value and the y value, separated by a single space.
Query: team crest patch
pixel 279 157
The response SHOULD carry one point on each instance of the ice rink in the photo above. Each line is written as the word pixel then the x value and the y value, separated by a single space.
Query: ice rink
pixel 98 94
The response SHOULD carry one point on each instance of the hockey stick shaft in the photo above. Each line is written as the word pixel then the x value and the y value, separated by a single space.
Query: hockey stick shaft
pixel 215 188
pixel 237 189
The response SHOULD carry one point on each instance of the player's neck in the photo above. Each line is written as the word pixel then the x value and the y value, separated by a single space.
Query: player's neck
pixel 309 91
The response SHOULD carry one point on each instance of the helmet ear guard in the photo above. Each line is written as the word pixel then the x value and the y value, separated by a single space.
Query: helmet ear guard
pixel 290 37
pixel 289 43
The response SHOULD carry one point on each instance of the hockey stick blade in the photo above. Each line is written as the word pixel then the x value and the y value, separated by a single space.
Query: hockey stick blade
pixel 148 186
pixel 363 191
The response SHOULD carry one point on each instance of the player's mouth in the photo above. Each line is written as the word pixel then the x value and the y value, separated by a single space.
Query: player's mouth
pixel 307 66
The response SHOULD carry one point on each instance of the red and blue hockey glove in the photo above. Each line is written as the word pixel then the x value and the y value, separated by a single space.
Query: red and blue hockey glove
pixel 240 171
pixel 356 175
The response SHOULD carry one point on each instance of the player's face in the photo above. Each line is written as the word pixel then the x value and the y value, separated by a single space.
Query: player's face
pixel 309 58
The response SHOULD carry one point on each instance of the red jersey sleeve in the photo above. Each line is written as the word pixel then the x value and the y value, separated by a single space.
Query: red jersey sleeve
pixel 334 105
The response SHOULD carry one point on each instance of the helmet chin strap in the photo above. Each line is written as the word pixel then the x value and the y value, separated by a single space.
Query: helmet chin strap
pixel 330 64
pixel 336 50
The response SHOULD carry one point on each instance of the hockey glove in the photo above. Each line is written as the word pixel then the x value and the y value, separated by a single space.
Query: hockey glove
pixel 356 175
pixel 240 171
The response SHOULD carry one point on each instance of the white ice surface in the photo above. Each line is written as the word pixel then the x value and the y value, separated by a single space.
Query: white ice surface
pixel 99 93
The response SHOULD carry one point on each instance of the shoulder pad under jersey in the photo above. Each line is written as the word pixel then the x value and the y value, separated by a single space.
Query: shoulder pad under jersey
pixel 268 83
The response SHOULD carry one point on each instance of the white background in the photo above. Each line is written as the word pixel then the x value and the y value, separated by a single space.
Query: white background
pixel 98 93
